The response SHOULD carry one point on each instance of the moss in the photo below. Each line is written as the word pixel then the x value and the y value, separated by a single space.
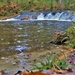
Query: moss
pixel 70 32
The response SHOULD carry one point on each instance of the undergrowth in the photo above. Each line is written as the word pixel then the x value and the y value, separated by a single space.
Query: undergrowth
pixel 9 7
pixel 51 62
pixel 70 32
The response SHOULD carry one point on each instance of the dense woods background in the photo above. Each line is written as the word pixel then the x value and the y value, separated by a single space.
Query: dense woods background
pixel 10 7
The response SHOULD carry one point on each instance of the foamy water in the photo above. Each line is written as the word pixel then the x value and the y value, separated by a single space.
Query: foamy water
pixel 57 16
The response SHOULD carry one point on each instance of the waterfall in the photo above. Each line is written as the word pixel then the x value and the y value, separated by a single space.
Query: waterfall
pixel 35 16
pixel 40 17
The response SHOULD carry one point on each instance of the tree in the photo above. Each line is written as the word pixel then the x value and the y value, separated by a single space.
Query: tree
pixel 51 4
pixel 60 3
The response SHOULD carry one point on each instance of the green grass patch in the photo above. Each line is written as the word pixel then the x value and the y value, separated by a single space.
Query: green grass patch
pixel 70 32
pixel 52 62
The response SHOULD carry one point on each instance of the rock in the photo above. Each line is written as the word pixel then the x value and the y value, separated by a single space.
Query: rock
pixel 22 62
pixel 71 57
pixel 3 73
pixel 34 16
pixel 13 63
pixel 26 57
pixel 21 54
pixel 27 17
pixel 2 58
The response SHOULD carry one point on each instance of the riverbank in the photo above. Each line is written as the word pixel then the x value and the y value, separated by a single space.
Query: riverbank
pixel 11 64
pixel 9 7
pixel 25 59
pixel 7 16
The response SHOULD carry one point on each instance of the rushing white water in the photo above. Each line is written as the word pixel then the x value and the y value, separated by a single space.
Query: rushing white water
pixel 54 17
pixel 10 19
pixel 58 16
pixel 40 17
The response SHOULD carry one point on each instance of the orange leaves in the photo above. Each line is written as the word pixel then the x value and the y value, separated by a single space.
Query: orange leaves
pixel 48 72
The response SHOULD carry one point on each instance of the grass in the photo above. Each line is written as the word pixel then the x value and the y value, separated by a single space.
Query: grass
pixel 52 62
pixel 70 32
pixel 18 6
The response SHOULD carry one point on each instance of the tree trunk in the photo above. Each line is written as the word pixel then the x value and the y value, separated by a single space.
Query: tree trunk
pixel 60 4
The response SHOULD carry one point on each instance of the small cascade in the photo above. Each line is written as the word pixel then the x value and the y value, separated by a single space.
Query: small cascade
pixel 48 16
pixel 56 16
pixel 35 16
pixel 73 18
pixel 59 16
pixel 65 16
pixel 51 16
pixel 12 19
pixel 41 17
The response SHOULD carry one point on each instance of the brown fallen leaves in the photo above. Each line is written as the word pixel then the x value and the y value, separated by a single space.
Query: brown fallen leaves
pixel 70 71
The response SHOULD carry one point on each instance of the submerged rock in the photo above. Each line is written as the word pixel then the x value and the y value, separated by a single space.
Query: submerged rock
pixel 27 17
pixel 3 73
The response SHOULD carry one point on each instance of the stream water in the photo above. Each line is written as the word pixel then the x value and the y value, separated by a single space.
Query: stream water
pixel 25 35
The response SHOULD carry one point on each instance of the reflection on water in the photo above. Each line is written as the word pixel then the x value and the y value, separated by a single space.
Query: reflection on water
pixel 25 35
pixel 21 48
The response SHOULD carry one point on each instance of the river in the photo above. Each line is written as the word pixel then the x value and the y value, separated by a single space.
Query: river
pixel 25 35
pixel 25 41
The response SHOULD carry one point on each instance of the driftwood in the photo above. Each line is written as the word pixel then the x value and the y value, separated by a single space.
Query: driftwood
pixel 60 39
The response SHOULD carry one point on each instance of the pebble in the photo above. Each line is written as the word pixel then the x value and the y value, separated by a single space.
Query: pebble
pixel 26 57
pixel 2 58
pixel 2 39
pixel 57 47
pixel 22 62
pixel 21 54
pixel 13 63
